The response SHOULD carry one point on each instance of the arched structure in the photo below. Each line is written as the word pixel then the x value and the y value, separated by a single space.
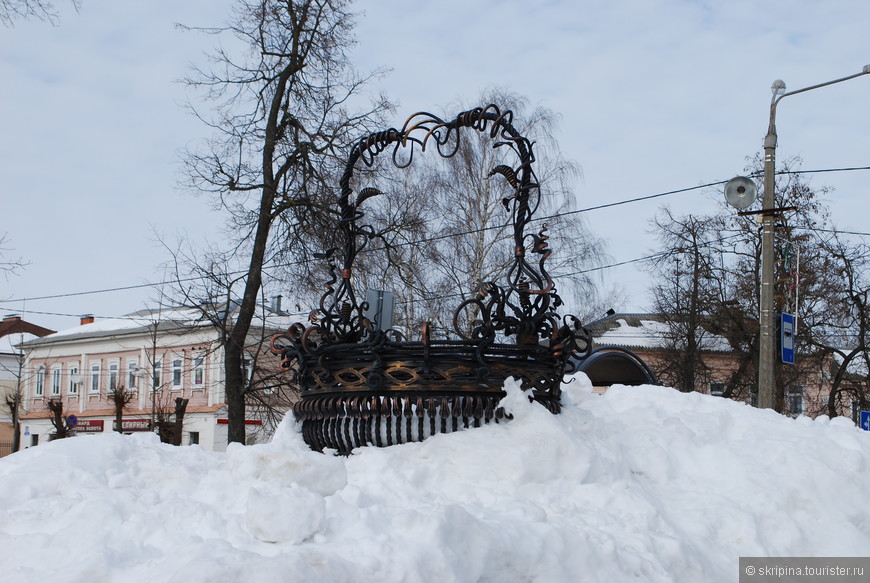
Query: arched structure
pixel 360 385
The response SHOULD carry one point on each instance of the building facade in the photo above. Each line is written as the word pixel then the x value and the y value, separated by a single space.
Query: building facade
pixel 154 357
pixel 649 337
pixel 13 332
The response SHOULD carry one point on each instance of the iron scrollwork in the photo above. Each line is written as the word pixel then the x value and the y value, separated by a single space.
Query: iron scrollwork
pixel 364 386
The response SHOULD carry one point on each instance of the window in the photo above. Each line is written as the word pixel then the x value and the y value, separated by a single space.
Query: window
pixel 721 389
pixel 40 382
pixel 194 438
pixel 74 379
pixel 177 369
pixel 95 378
pixel 132 369
pixel 113 375
pixel 247 368
pixel 198 371
pixel 795 397
pixel 55 381
pixel 157 375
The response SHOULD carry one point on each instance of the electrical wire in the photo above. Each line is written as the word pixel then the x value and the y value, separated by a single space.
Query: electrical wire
pixel 458 234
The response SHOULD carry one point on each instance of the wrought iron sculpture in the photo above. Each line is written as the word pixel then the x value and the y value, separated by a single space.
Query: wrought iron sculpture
pixel 363 386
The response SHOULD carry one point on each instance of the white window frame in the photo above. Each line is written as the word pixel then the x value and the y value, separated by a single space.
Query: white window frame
pixel 794 397
pixel 95 369
pixel 132 381
pixel 157 375
pixel 39 388
pixel 176 370
pixel 248 368
pixel 197 376
pixel 114 375
pixel 72 387
pixel 56 374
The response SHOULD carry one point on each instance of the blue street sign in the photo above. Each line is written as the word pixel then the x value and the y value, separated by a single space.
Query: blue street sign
pixel 786 331
pixel 72 421
pixel 865 420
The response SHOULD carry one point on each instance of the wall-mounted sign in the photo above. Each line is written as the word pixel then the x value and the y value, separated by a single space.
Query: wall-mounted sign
pixel 247 421
pixel 89 425
pixel 133 425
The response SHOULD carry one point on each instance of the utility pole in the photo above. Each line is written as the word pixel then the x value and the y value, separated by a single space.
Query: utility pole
pixel 767 345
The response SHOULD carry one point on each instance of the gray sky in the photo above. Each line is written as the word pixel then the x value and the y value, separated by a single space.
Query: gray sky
pixel 655 95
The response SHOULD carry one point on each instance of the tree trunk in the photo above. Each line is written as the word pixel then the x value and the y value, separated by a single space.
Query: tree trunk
pixel 180 410
pixel 235 396
pixel 15 406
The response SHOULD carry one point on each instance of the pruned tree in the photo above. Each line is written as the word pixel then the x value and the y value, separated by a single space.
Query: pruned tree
pixel 13 401
pixel 58 421
pixel 284 108
pixel 120 398
pixel 170 421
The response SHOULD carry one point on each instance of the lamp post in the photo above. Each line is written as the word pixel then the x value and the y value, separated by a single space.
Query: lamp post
pixel 766 340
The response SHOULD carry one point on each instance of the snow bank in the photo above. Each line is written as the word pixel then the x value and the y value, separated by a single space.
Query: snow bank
pixel 640 484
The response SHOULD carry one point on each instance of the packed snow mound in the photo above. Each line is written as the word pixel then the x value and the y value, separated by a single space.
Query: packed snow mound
pixel 640 484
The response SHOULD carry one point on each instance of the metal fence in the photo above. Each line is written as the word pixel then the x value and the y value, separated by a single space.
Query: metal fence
pixel 5 448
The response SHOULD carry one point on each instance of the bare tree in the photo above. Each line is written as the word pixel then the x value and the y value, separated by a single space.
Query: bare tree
pixel 13 400
pixel 205 282
pixel 62 428
pixel 718 285
pixel 685 295
pixel 8 266
pixel 456 232
pixel 120 398
pixel 845 334
pixel 12 10
pixel 170 420
pixel 283 113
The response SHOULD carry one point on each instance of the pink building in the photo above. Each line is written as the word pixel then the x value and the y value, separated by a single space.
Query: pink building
pixel 157 356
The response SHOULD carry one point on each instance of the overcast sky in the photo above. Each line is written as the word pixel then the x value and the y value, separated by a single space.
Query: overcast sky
pixel 654 95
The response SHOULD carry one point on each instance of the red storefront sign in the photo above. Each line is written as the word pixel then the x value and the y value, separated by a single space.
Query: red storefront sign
pixel 247 421
pixel 133 425
pixel 89 425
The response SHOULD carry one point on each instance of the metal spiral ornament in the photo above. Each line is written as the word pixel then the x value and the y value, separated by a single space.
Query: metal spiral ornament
pixel 360 386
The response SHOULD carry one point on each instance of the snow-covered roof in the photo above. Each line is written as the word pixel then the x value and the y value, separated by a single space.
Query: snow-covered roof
pixel 644 331
pixel 9 344
pixel 164 319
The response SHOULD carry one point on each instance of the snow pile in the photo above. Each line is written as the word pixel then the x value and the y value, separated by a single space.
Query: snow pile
pixel 640 484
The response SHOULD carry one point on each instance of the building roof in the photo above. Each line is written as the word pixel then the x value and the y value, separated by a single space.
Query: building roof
pixel 14 331
pixel 644 331
pixel 144 321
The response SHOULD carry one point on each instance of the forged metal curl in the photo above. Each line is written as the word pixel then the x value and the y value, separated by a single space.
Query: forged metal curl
pixel 359 385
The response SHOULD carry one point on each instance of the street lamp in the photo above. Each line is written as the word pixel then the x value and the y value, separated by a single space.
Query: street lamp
pixel 766 341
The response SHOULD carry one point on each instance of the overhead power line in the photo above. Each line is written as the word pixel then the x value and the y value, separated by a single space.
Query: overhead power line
pixel 462 233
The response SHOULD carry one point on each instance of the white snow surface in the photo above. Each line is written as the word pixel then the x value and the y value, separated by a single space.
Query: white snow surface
pixel 639 484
